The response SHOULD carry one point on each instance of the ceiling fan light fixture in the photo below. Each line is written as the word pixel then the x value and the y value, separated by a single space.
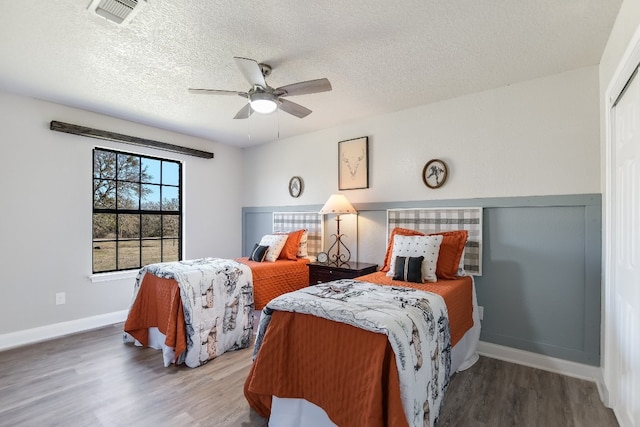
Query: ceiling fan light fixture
pixel 263 102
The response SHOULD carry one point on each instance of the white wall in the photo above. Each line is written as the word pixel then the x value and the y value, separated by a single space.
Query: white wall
pixel 45 222
pixel 539 137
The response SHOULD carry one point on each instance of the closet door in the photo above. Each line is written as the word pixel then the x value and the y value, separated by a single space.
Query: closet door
pixel 623 328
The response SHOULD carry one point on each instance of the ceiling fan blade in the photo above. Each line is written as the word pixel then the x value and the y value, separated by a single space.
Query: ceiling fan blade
pixel 303 88
pixel 293 108
pixel 217 92
pixel 244 112
pixel 251 71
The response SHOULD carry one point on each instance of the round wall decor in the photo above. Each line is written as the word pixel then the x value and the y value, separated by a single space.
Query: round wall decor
pixel 434 173
pixel 295 186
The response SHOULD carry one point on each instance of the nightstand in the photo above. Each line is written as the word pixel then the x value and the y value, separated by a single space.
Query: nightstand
pixel 320 272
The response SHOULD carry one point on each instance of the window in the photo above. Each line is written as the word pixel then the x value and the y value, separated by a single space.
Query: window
pixel 137 210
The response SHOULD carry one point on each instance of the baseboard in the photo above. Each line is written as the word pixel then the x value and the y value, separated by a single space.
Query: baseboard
pixel 623 418
pixel 540 361
pixel 30 336
pixel 603 391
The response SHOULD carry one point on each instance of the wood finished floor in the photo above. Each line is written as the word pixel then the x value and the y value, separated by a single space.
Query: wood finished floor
pixel 93 379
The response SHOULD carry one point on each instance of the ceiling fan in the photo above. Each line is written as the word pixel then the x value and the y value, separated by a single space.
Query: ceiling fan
pixel 263 98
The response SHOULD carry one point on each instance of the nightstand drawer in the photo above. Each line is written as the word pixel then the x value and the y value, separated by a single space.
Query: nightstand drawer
pixel 320 273
pixel 321 277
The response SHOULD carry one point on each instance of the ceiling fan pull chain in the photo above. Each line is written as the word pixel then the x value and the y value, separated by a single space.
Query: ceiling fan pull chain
pixel 249 128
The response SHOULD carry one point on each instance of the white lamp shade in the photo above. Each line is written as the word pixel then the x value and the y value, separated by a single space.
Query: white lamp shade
pixel 337 204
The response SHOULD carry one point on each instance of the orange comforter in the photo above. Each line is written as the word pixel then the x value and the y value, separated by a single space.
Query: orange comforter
pixel 158 304
pixel 271 279
pixel 349 372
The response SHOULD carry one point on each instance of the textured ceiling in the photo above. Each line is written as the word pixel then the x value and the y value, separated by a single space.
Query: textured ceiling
pixel 380 56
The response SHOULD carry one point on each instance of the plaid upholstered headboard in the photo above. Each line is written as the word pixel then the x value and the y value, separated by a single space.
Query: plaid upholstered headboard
pixel 433 220
pixel 310 221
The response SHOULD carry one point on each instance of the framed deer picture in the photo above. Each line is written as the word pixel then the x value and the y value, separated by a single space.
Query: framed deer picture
pixel 353 164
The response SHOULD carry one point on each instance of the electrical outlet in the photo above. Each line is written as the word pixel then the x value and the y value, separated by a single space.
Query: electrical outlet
pixel 60 298
pixel 481 312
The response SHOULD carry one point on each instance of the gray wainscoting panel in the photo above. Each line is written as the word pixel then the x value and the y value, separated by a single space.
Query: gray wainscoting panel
pixel 534 287
pixel 255 225
pixel 541 280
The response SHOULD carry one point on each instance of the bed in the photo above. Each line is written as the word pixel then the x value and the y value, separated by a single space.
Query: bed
pixel 195 310
pixel 288 273
pixel 348 375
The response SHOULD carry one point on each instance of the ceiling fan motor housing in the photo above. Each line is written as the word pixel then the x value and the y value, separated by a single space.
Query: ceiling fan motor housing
pixel 265 69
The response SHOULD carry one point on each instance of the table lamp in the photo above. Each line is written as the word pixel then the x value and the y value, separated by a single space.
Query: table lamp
pixel 338 204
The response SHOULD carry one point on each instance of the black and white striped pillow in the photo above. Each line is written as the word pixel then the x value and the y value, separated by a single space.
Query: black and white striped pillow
pixel 258 253
pixel 408 269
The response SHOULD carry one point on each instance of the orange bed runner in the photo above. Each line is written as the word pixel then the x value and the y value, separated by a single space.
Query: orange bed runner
pixel 271 279
pixel 365 371
pixel 457 296
pixel 158 304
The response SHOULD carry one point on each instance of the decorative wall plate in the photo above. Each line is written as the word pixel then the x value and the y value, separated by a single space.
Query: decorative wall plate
pixel 434 173
pixel 295 186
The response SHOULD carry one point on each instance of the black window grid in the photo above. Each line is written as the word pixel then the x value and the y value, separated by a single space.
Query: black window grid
pixel 138 212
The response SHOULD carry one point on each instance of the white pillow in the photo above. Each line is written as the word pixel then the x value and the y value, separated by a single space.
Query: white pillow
pixel 415 246
pixel 461 271
pixel 276 243
pixel 302 246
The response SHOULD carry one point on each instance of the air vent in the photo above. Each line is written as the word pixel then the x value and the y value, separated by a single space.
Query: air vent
pixel 119 11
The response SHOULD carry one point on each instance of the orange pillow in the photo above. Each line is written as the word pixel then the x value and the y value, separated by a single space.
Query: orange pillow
pixel 401 232
pixel 451 250
pixel 290 249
